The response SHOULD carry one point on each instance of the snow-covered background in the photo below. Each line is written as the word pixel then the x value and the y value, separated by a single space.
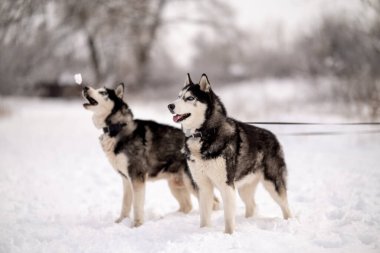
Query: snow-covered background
pixel 59 194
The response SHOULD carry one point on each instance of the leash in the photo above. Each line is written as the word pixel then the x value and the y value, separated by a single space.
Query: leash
pixel 326 133
pixel 313 123
pixel 330 133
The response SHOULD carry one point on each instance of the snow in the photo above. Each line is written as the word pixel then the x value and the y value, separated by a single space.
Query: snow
pixel 59 194
pixel 78 78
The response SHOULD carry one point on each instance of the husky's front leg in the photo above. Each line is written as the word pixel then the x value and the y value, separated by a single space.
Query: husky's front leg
pixel 138 202
pixel 127 200
pixel 206 200
pixel 229 205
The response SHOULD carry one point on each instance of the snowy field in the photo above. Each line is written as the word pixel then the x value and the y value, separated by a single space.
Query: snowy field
pixel 59 194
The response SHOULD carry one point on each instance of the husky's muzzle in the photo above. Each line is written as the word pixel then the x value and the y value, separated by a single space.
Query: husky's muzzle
pixel 178 117
pixel 90 100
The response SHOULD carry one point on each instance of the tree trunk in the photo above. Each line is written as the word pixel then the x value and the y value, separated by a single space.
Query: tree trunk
pixel 144 48
pixel 94 58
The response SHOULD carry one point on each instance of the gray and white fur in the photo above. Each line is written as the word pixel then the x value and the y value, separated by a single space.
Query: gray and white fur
pixel 228 154
pixel 139 150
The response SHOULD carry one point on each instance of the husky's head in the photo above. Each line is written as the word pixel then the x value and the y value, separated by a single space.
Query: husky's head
pixel 196 103
pixel 103 102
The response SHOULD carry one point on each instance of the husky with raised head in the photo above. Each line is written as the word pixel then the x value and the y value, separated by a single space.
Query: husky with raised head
pixel 227 154
pixel 139 150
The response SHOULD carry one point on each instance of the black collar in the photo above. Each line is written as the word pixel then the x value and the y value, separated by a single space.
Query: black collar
pixel 195 135
pixel 113 129
pixel 205 134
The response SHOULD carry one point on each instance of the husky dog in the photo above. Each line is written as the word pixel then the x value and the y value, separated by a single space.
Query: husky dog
pixel 228 154
pixel 139 150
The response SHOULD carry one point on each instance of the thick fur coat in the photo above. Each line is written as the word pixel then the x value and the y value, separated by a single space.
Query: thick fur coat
pixel 227 153
pixel 139 150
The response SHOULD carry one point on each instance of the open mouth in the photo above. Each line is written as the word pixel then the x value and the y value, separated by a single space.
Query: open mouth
pixel 90 100
pixel 180 117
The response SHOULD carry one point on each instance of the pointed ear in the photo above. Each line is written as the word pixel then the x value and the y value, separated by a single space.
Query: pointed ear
pixel 188 80
pixel 119 91
pixel 204 83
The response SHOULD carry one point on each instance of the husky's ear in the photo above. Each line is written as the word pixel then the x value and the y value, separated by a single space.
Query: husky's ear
pixel 188 80
pixel 119 91
pixel 204 83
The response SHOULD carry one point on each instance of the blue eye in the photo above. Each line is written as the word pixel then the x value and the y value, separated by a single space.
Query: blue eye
pixel 190 98
pixel 103 93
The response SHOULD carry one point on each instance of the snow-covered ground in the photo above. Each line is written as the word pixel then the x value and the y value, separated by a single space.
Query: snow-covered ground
pixel 59 194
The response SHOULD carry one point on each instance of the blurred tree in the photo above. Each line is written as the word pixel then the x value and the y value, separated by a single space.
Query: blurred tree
pixel 220 45
pixel 219 57
pixel 233 54
pixel 135 22
pixel 348 49
pixel 107 40
pixel 16 48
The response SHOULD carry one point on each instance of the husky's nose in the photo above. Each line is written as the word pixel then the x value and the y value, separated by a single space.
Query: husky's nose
pixel 171 108
pixel 85 88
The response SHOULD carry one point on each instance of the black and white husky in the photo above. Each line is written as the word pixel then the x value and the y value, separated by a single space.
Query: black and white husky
pixel 227 154
pixel 139 150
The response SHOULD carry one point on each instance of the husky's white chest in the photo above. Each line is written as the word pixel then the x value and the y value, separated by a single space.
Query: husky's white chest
pixel 213 169
pixel 118 161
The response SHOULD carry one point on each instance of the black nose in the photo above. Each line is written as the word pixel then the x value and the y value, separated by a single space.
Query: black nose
pixel 171 108
pixel 85 88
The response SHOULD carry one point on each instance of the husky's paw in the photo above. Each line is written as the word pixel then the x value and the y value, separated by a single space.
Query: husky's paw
pixel 137 223
pixel 185 209
pixel 205 224
pixel 228 231
pixel 229 227
pixel 120 219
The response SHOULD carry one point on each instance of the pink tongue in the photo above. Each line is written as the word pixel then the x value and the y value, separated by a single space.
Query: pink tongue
pixel 177 117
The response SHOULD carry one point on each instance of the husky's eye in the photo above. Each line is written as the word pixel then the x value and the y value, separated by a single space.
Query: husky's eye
pixel 103 93
pixel 190 98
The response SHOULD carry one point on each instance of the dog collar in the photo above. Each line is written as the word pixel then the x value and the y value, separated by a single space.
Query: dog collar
pixel 113 129
pixel 194 135
pixel 199 134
